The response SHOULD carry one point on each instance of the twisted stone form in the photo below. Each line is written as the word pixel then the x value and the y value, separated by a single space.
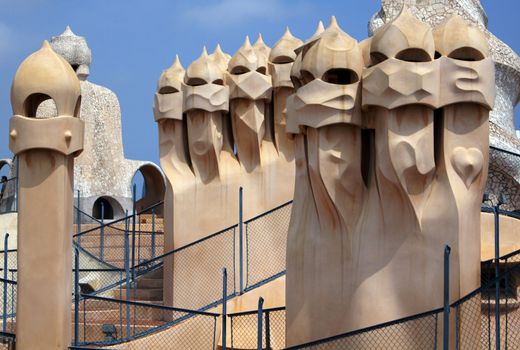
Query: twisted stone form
pixel 504 171
pixel 222 127
pixel 46 149
pixel 391 148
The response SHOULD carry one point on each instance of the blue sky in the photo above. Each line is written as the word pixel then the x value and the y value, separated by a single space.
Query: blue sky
pixel 133 41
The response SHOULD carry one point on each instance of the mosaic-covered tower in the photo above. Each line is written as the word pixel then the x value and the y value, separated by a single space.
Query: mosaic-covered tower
pixel 504 170
pixel 102 173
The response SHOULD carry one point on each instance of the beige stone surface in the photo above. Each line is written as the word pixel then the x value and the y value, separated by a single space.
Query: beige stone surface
pixel 375 207
pixel 509 235
pixel 46 150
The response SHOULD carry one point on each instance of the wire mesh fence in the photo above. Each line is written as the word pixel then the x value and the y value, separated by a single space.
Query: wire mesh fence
pixel 266 245
pixel 104 321
pixel 503 170
pixel 8 305
pixel 245 329
pixel 142 234
pixel 7 341
pixel 478 313
pixel 193 274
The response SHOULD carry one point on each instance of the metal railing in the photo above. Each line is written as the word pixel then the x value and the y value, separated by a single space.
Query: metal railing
pixel 106 240
pixel 7 341
pixel 474 321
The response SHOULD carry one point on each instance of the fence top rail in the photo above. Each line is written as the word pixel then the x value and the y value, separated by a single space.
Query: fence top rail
pixel 7 335
pixel 513 214
pixel 8 282
pixel 268 212
pixel 84 348
pixel 489 284
pixel 368 329
pixel 9 251
pixel 176 250
pixel 153 306
pixel 254 312
pixel 504 151
pixel 100 270
pixel 87 214
pixel 119 220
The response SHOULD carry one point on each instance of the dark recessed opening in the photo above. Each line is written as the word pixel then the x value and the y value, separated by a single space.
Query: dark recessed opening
pixel 75 67
pixel 165 90
pixel 377 57
pixel 262 70
pixel 340 76
pixel 32 103
pixel 196 82
pixel 239 70
pixel 296 82
pixel 307 77
pixel 467 54
pixel 283 59
pixel 413 55
pixel 218 82
pixel 102 208
pixel 437 55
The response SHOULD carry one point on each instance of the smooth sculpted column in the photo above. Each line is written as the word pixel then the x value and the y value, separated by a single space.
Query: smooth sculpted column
pixel 374 208
pixel 46 149
pixel 324 114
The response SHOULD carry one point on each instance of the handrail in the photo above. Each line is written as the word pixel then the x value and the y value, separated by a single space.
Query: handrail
pixel 118 220
pixel 176 250
pixel 255 312
pixel 268 212
pixel 154 306
pixel 505 151
pixel 367 329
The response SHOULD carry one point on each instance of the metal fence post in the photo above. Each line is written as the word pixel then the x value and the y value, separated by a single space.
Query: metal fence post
pixel 267 331
pixel 127 275
pixel 224 308
pixel 241 238
pixel 133 231
pixel 102 233
pixel 446 316
pixel 496 213
pixel 76 296
pixel 4 299
pixel 153 233
pixel 78 219
pixel 259 322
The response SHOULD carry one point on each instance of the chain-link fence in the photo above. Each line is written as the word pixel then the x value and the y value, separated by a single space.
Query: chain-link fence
pixel 478 313
pixel 104 321
pixel 7 305
pixel 503 177
pixel 141 236
pixel 245 328
pixel 266 245
pixel 7 341
pixel 192 274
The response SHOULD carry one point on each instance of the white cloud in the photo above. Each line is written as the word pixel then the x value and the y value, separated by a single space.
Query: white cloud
pixel 231 12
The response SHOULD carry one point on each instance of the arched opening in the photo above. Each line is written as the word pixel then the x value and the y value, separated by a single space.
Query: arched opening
pixel 150 186
pixel 107 208
pixel 7 187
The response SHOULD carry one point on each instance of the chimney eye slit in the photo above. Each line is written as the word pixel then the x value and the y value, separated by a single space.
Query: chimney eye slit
pixel 165 90
pixel 469 54
pixel 196 82
pixel 413 55
pixel 340 76
pixel 239 70
pixel 283 60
